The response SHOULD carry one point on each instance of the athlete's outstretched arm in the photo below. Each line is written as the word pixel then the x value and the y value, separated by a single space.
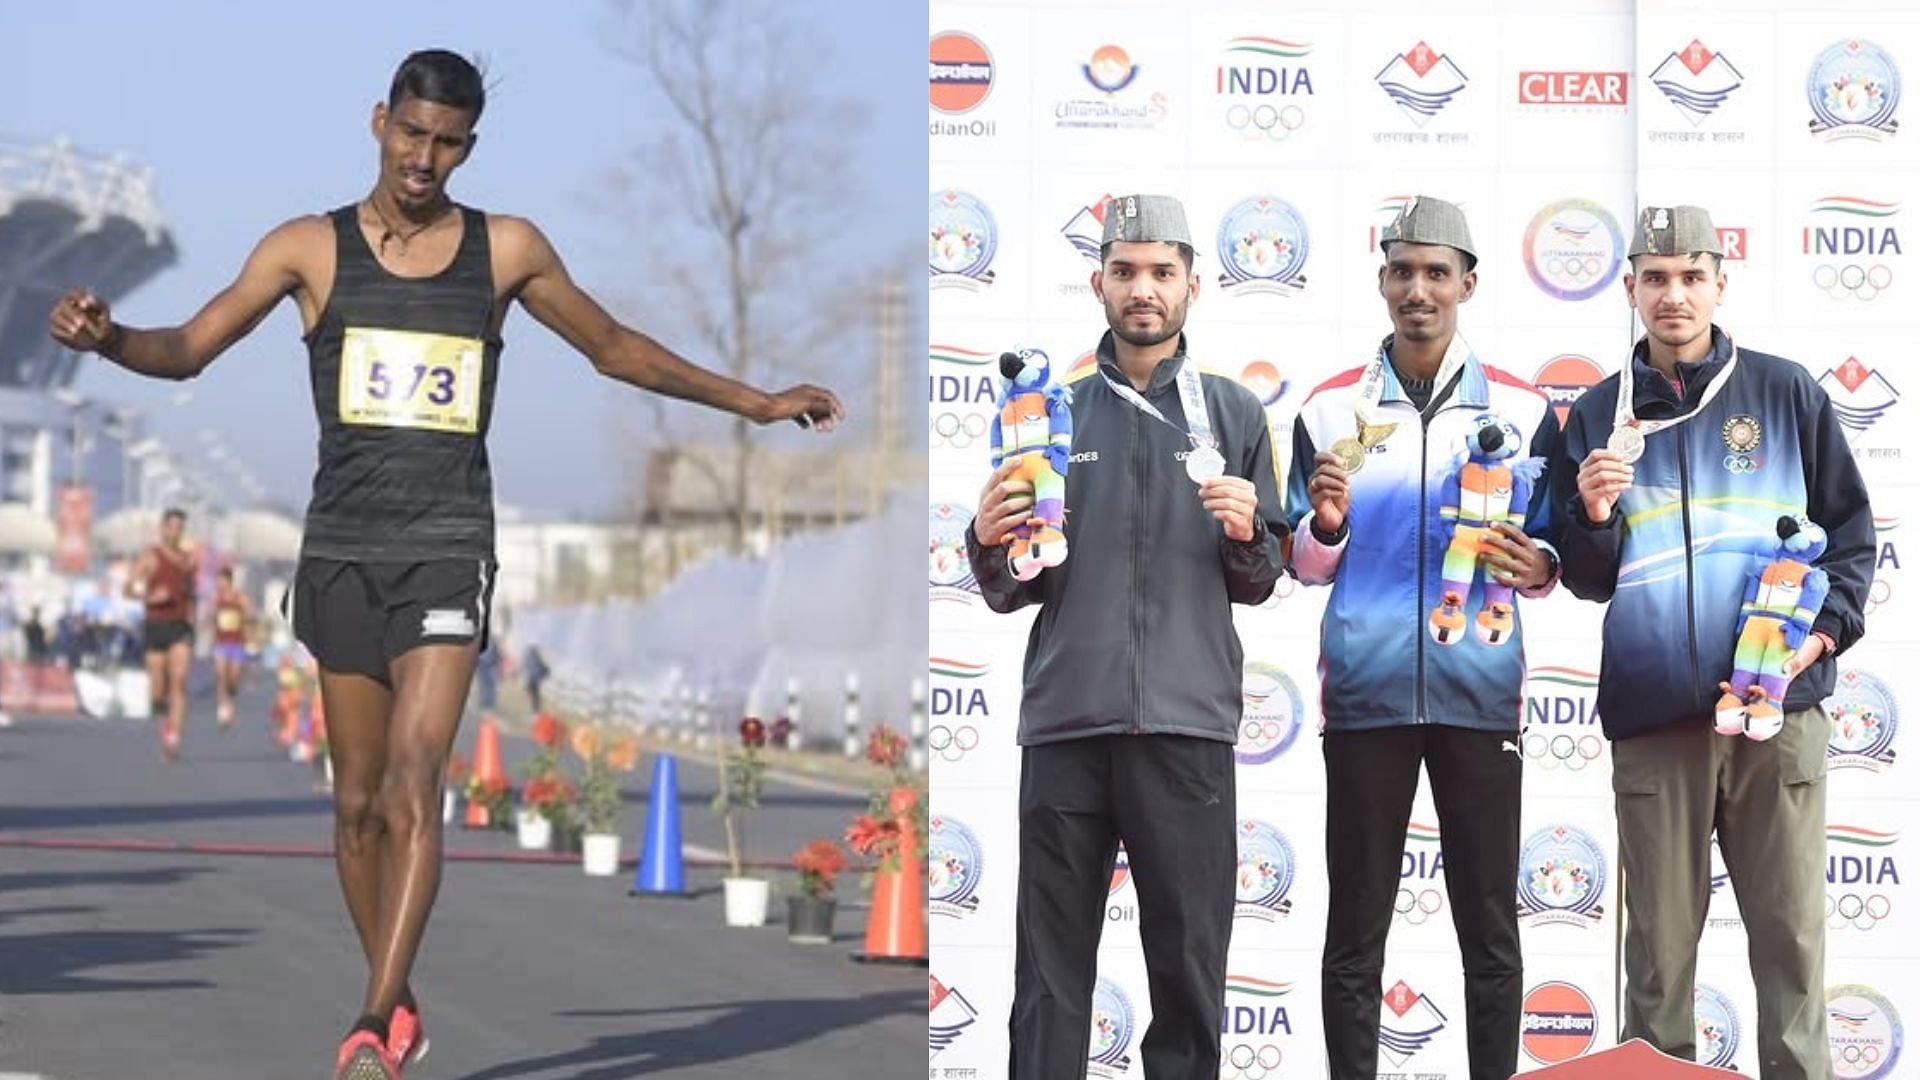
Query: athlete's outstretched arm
pixel 540 281
pixel 82 321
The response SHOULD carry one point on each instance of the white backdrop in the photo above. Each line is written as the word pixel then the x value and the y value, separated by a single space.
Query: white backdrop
pixel 1311 126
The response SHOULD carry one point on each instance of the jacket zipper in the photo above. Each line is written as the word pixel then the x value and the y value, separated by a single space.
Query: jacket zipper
pixel 1133 617
pixel 1686 532
pixel 1420 574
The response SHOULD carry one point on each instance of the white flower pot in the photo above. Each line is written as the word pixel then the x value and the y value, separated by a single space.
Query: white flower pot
pixel 600 854
pixel 536 832
pixel 746 901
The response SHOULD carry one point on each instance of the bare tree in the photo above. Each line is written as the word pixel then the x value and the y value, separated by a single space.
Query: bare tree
pixel 739 193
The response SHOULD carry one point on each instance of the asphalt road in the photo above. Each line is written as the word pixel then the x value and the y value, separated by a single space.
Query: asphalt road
pixel 132 945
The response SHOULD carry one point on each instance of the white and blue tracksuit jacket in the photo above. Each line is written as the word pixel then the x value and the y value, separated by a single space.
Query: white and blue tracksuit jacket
pixel 1378 666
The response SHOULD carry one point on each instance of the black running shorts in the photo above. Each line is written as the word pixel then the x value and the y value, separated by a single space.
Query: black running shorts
pixel 356 617
pixel 161 635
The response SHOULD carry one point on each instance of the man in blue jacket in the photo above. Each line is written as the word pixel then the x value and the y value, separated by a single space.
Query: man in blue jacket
pixel 1132 681
pixel 1664 494
pixel 1419 649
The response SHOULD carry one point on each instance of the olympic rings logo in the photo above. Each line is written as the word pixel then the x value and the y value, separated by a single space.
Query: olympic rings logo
pixel 952 744
pixel 1416 908
pixel 1858 1055
pixel 1739 464
pixel 958 430
pixel 1863 282
pixel 1253 1062
pixel 1262 733
pixel 1574 268
pixel 1562 750
pixel 1861 913
pixel 1258 120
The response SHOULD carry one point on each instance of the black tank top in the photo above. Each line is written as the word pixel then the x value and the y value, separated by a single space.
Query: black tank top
pixel 403 373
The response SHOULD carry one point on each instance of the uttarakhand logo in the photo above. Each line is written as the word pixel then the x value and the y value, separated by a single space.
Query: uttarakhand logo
pixel 1264 875
pixel 1865 720
pixel 1414 1023
pixel 1717 1027
pixel 1563 878
pixel 961 243
pixel 1572 249
pixel 1853 239
pixel 1697 80
pixel 1861 397
pixel 1564 378
pixel 1260 79
pixel 1263 247
pixel 1111 71
pixel 953 867
pixel 1085 228
pixel 1863 1033
pixel 1421 82
pixel 1556 1022
pixel 1112 1031
pixel 1251 1027
pixel 949 1015
pixel 949 575
pixel 1853 89
pixel 1270 714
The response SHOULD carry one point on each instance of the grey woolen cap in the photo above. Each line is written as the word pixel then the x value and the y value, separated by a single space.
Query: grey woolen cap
pixel 1674 230
pixel 1427 220
pixel 1147 218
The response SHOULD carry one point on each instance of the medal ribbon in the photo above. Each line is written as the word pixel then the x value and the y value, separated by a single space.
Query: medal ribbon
pixel 1623 399
pixel 1199 429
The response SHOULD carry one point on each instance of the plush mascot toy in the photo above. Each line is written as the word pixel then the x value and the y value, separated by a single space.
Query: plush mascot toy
pixel 1486 485
pixel 1035 425
pixel 1784 594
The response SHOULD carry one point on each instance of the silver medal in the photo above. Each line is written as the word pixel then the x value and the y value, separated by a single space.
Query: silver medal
pixel 1204 463
pixel 1628 443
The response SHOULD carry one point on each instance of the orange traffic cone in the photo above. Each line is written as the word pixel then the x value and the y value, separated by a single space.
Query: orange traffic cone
pixel 897 925
pixel 486 767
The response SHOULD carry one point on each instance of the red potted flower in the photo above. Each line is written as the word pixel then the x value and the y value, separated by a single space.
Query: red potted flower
pixel 810 914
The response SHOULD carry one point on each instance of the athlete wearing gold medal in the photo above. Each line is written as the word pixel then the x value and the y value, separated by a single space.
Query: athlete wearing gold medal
pixel 1383 508
pixel 402 295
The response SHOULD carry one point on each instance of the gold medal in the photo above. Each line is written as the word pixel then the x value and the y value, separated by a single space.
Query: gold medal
pixel 1353 452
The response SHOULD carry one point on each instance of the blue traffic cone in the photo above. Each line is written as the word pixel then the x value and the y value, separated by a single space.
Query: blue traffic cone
pixel 662 868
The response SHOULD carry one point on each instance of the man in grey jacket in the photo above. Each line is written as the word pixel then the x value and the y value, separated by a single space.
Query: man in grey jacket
pixel 1132 681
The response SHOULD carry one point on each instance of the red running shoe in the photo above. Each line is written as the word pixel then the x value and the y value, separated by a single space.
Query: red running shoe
pixel 364 1057
pixel 406 1037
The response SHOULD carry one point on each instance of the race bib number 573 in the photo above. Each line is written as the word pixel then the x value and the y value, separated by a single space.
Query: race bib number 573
pixel 397 378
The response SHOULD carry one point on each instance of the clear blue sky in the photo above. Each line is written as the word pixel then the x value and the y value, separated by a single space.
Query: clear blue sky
pixel 252 113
